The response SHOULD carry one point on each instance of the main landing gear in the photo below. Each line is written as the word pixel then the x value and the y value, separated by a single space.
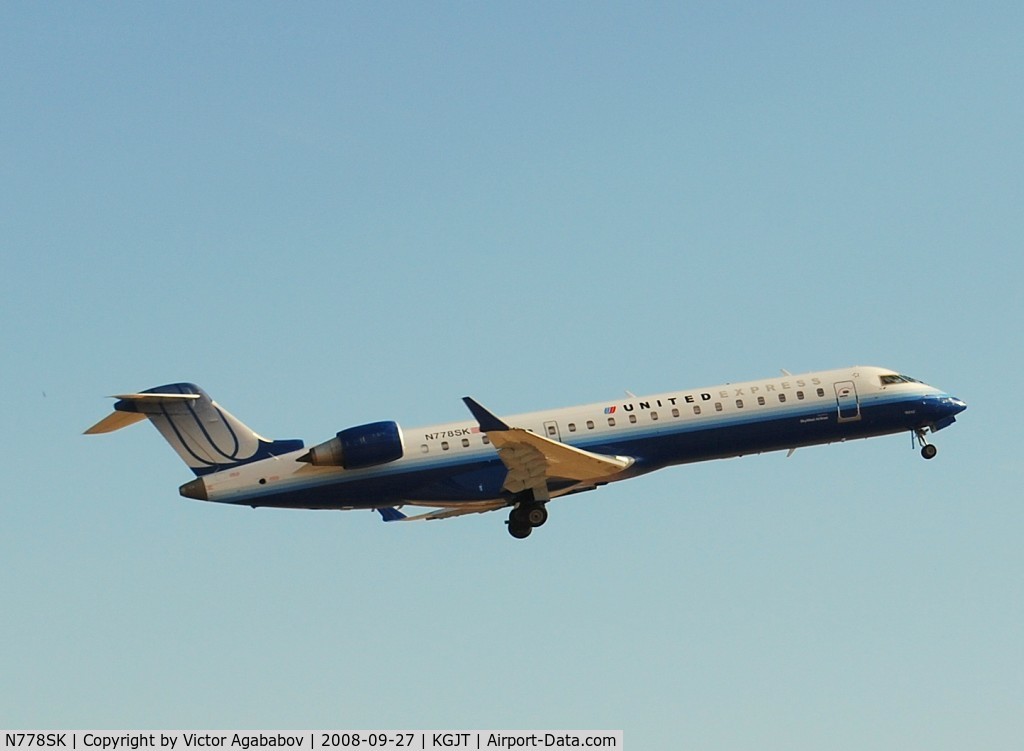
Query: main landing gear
pixel 526 515
pixel 928 451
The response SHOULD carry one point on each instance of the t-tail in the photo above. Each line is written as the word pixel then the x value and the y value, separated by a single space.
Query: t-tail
pixel 207 437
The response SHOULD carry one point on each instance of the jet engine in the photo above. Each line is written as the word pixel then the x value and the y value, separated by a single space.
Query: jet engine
pixel 359 447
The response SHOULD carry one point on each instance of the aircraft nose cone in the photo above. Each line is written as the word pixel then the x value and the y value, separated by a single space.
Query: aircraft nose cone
pixel 955 406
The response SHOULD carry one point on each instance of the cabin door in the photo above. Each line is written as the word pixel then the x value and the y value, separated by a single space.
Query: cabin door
pixel 551 431
pixel 847 401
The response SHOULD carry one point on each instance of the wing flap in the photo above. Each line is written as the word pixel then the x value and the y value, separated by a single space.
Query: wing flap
pixel 531 458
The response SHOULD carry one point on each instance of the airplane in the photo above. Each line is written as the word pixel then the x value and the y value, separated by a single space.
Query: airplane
pixel 522 462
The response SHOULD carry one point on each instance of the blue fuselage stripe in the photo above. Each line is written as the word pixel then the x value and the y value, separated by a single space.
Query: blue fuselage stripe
pixel 479 475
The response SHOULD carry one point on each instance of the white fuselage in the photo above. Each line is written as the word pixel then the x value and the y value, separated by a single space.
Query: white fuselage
pixel 453 463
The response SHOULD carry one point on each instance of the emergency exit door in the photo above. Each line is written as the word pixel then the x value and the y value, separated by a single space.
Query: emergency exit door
pixel 551 431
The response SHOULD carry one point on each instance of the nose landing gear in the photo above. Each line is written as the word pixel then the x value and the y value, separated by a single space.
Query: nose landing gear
pixel 928 451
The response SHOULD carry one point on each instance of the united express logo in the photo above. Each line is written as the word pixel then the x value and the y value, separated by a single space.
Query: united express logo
pixel 734 391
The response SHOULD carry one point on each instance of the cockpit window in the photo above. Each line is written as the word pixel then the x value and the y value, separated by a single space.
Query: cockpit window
pixel 888 380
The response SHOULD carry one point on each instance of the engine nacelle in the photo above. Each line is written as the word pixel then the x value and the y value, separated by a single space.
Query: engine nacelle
pixel 359 447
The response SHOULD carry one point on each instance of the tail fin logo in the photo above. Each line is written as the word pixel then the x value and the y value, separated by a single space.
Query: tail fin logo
pixel 206 437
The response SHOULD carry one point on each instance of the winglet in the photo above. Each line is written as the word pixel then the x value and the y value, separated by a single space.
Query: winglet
pixel 488 422
pixel 391 514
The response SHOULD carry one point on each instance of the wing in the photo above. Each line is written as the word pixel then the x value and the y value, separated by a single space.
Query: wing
pixel 392 514
pixel 533 460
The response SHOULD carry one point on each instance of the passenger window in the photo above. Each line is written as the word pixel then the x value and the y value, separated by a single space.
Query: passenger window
pixel 782 397
pixel 718 406
pixel 465 443
pixel 424 449
pixel 572 427
pixel 739 404
pixel 444 445
pixel 611 422
pixel 821 393
pixel 696 409
pixel 799 395
pixel 654 415
pixel 590 424
pixel 632 419
pixel 551 431
pixel 760 401
pixel 487 441
pixel 675 412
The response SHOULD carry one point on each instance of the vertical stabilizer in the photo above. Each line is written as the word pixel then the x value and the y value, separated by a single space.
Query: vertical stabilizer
pixel 207 437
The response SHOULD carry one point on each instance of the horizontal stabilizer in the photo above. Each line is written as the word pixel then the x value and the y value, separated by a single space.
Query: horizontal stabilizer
pixel 115 421
pixel 122 419
pixel 156 398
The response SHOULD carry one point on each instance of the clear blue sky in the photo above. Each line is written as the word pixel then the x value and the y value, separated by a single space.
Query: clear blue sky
pixel 330 213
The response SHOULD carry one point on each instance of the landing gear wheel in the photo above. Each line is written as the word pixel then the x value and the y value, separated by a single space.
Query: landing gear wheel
pixel 927 450
pixel 524 517
pixel 519 530
pixel 528 513
pixel 536 515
